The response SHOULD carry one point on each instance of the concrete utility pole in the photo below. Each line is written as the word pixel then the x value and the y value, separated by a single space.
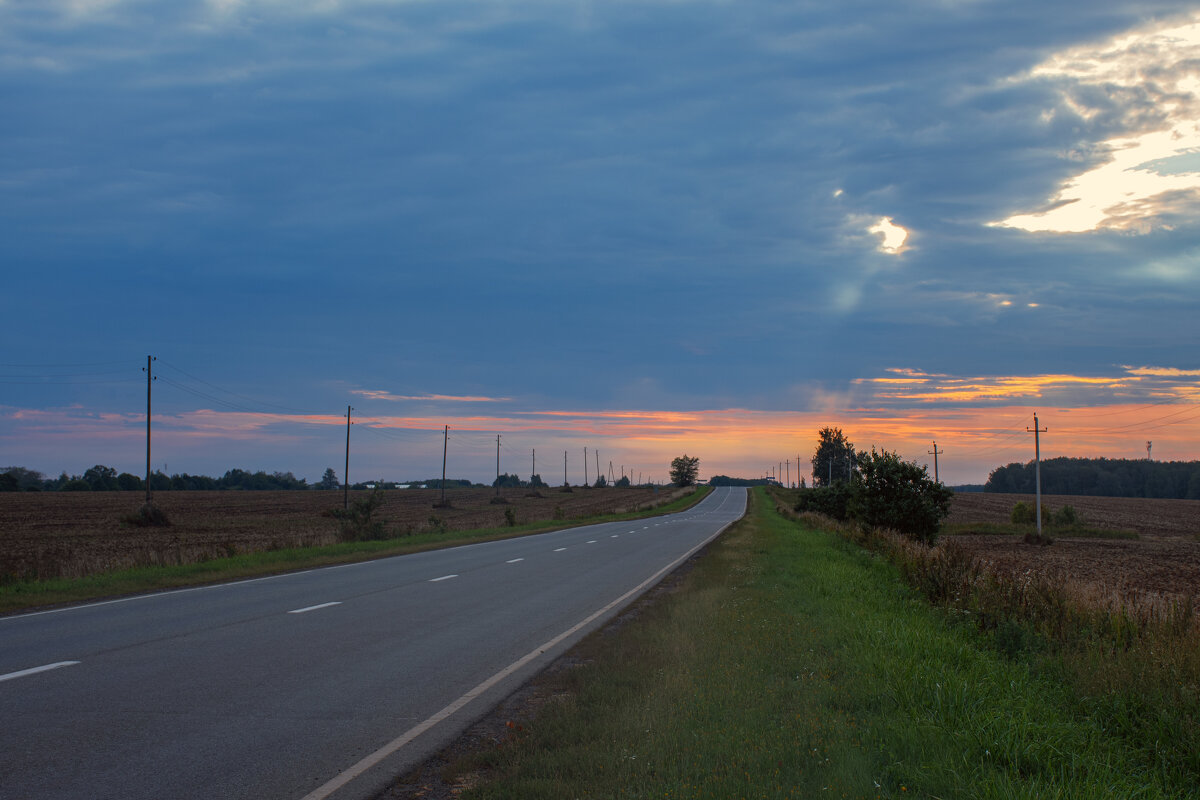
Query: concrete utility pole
pixel 445 444
pixel 1037 455
pixel 149 379
pixel 935 453
pixel 346 474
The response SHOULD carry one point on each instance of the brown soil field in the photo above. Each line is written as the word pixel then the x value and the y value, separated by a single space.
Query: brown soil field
pixel 73 534
pixel 1165 560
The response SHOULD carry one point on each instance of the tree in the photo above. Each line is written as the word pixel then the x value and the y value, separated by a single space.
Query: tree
pixel 834 457
pixel 28 480
pixel 536 482
pixel 601 482
pixel 329 480
pixel 684 470
pixel 622 482
pixel 128 482
pixel 101 478
pixel 508 481
pixel 898 494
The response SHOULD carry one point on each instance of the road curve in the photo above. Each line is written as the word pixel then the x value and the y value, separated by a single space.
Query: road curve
pixel 311 685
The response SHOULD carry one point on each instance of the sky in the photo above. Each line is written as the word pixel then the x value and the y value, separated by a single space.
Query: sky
pixel 641 228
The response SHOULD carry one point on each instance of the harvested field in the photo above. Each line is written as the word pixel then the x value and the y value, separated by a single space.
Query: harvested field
pixel 1165 560
pixel 73 534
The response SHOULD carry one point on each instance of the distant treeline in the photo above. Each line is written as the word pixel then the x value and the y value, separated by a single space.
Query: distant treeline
pixel 1102 477
pixel 725 480
pixel 106 479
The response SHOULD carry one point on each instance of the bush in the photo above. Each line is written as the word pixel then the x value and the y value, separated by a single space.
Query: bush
pixel 1065 517
pixel 1026 514
pixel 357 523
pixel 829 501
pixel 897 494
pixel 148 516
pixel 510 517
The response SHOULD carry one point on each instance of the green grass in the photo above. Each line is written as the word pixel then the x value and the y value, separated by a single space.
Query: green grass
pixel 791 663
pixel 1054 531
pixel 21 595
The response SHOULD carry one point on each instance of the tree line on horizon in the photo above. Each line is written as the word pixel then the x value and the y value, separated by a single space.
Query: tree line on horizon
pixel 1102 477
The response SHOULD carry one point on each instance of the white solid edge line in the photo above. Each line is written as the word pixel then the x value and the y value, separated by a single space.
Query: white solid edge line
pixel 513 560
pixel 324 791
pixel 559 549
pixel 35 670
pixel 314 608
pixel 443 578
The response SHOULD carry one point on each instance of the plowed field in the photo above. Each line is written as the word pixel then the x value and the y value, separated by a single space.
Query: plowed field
pixel 72 534
pixel 1164 560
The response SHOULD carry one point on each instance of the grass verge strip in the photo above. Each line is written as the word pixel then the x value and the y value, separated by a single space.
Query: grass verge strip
pixel 24 595
pixel 790 663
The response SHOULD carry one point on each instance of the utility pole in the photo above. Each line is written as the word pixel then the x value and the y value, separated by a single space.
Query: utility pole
pixel 1148 445
pixel 445 443
pixel 611 479
pixel 585 480
pixel 149 379
pixel 788 472
pixel 597 466
pixel 346 474
pixel 1037 454
pixel 565 482
pixel 497 465
pixel 534 452
pixel 935 453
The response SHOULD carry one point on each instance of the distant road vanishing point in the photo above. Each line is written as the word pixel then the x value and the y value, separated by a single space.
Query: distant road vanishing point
pixel 317 684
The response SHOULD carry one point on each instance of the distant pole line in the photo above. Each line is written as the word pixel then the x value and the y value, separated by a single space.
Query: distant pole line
pixel 1037 455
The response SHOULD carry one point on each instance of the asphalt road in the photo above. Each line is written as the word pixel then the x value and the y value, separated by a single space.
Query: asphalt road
pixel 314 684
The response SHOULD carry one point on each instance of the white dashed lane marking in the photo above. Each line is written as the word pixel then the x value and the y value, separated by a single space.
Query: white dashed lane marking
pixel 306 609
pixel 35 670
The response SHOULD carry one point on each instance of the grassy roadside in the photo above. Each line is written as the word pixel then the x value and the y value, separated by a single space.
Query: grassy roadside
pixel 28 594
pixel 791 663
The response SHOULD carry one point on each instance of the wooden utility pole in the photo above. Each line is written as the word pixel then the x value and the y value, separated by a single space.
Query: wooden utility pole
pixel 935 453
pixel 1037 455
pixel 585 480
pixel 497 465
pixel 445 442
pixel 149 379
pixel 533 454
pixel 565 482
pixel 346 475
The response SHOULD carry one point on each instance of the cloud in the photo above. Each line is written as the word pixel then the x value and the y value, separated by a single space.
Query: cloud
pixel 891 236
pixel 1145 84
pixel 375 394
